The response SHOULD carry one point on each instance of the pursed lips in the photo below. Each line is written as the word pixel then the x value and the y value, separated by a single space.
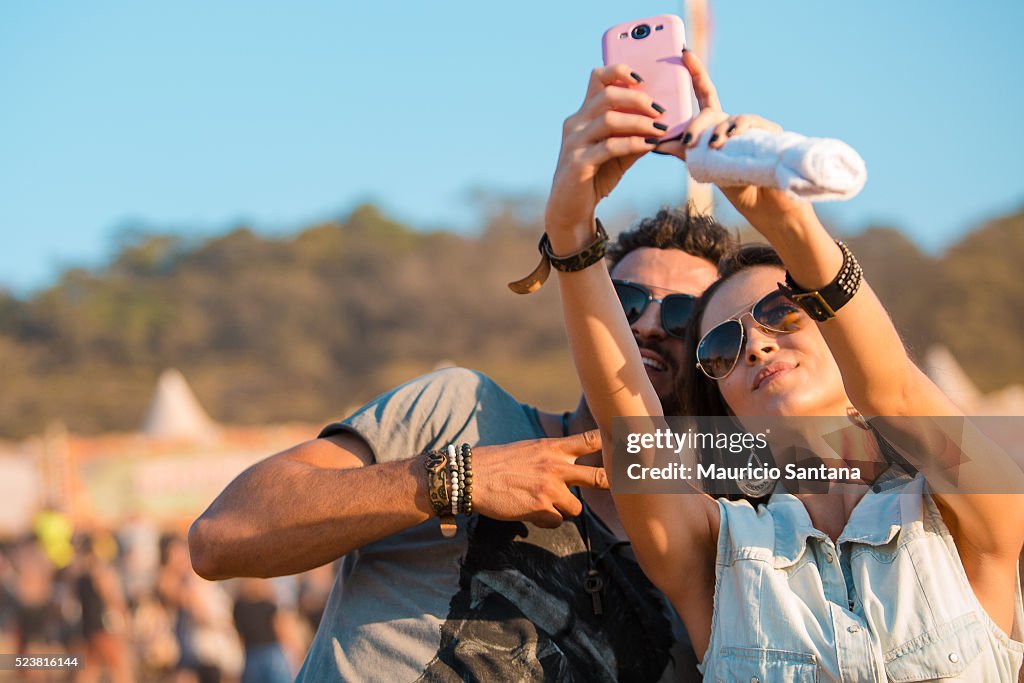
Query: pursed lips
pixel 768 371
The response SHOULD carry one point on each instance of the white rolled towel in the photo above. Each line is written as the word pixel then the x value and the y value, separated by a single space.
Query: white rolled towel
pixel 816 169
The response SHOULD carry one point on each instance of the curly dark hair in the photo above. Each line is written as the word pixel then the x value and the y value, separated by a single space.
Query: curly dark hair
pixel 694 233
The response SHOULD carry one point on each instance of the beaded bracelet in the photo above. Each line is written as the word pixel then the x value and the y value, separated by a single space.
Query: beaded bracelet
pixel 454 465
pixel 466 473
pixel 460 476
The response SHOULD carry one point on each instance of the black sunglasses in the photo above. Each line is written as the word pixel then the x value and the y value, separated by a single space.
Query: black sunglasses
pixel 676 309
pixel 719 350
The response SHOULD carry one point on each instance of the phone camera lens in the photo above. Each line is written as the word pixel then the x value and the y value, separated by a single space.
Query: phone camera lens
pixel 640 32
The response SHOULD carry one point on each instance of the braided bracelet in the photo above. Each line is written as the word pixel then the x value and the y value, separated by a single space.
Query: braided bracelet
pixel 584 258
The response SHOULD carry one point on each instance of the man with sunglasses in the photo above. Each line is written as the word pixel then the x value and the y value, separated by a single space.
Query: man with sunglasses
pixel 514 593
pixel 414 603
pixel 667 261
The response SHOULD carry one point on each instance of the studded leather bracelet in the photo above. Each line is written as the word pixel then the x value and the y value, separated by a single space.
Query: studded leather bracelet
pixel 822 304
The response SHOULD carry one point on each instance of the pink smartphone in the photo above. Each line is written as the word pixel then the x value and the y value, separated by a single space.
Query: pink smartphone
pixel 653 48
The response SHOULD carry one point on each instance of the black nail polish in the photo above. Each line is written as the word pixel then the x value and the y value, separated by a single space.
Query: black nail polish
pixel 713 138
pixel 687 138
pixel 652 141
pixel 731 129
pixel 660 126
pixel 657 107
pixel 636 77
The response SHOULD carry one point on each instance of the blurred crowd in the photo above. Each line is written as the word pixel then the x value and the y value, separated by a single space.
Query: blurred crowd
pixel 128 602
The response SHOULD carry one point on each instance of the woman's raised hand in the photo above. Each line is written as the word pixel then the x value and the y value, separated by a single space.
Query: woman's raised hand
pixel 616 125
pixel 713 127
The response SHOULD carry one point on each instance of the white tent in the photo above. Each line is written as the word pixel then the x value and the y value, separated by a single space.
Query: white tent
pixel 175 413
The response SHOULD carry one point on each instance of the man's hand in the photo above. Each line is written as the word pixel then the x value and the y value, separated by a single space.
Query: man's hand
pixel 529 480
pixel 615 126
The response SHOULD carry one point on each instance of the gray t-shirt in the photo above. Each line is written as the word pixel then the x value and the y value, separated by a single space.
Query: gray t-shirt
pixel 501 601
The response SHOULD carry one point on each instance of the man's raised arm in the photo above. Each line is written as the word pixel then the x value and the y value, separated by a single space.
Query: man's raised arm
pixel 314 503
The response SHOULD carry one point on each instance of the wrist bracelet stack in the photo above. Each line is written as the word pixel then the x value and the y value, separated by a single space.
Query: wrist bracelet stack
pixel 450 484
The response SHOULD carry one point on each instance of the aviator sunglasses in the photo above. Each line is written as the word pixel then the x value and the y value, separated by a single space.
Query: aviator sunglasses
pixel 719 350
pixel 676 309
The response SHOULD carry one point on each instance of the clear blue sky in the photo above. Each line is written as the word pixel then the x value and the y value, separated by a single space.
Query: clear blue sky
pixel 196 116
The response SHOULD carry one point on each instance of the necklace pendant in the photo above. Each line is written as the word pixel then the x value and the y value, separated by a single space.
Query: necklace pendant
pixel 593 584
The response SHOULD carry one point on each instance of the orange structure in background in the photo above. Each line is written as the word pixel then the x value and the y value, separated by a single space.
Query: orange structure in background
pixel 166 473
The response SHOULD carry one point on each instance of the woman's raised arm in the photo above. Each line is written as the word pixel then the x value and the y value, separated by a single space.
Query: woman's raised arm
pixel 613 128
pixel 673 535
pixel 878 374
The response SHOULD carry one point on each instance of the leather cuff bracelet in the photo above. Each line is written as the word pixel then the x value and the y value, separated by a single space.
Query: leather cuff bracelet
pixel 583 258
pixel 436 463
pixel 822 304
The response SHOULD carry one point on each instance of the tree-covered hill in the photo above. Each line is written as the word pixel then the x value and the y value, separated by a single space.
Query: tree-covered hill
pixel 306 327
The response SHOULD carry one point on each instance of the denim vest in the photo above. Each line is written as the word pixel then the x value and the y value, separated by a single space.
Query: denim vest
pixel 889 601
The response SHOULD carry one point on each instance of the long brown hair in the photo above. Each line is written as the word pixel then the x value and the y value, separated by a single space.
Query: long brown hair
pixel 700 397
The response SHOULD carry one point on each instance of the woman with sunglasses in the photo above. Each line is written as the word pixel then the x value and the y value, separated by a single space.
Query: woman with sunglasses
pixel 848 585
